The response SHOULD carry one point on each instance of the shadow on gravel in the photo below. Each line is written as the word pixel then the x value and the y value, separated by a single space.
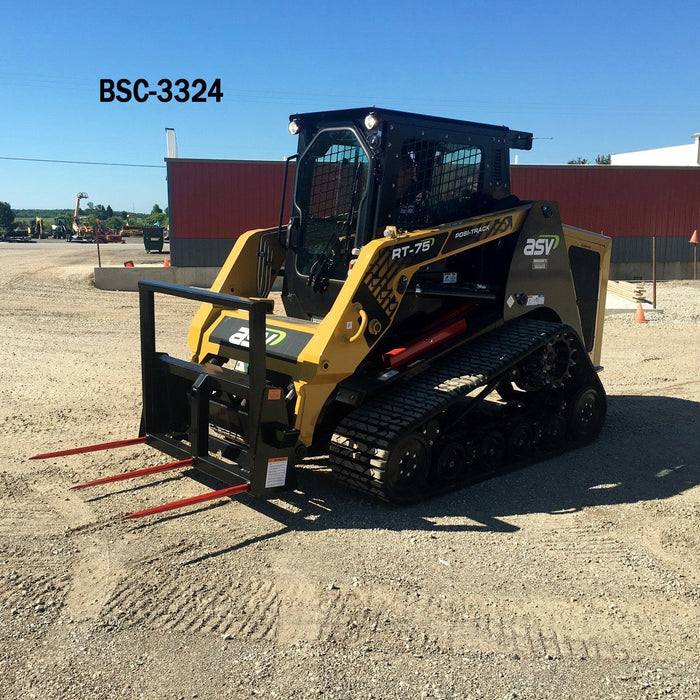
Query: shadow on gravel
pixel 648 450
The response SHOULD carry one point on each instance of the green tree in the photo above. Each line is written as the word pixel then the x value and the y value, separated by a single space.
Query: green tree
pixel 603 159
pixel 578 161
pixel 160 219
pixel 109 213
pixel 7 216
pixel 113 222
pixel 156 209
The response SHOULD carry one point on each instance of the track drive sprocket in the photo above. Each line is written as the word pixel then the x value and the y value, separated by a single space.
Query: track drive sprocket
pixel 550 367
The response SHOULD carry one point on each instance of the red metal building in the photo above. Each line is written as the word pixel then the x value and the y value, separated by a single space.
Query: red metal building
pixel 629 204
pixel 213 201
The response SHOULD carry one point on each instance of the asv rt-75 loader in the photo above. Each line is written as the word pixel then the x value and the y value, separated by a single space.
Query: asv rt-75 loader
pixel 438 329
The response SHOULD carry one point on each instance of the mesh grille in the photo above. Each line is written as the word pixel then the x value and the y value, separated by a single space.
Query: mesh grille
pixel 331 185
pixel 332 178
pixel 436 182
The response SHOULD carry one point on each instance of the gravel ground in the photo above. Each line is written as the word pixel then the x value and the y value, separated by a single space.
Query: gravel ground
pixel 577 577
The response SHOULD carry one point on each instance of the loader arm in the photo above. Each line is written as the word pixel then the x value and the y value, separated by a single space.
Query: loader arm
pixel 255 254
pixel 318 356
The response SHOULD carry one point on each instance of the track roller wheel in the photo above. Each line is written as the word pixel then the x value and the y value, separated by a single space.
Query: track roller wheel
pixel 553 431
pixel 407 469
pixel 537 426
pixel 450 464
pixel 492 450
pixel 586 414
pixel 520 441
pixel 471 453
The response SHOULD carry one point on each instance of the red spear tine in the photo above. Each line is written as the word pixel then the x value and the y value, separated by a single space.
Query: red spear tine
pixel 221 493
pixel 91 448
pixel 134 474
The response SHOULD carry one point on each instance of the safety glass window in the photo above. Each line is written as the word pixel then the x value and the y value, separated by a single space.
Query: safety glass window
pixel 331 183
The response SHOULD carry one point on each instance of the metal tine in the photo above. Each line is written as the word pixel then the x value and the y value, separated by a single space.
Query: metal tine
pixel 221 493
pixel 133 474
pixel 91 448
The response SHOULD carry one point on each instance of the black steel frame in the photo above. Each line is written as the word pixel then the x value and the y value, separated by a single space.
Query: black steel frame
pixel 157 367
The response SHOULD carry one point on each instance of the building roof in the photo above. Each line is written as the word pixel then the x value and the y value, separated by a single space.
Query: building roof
pixel 687 155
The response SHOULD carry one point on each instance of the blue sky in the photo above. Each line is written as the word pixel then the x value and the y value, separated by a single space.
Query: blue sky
pixel 588 77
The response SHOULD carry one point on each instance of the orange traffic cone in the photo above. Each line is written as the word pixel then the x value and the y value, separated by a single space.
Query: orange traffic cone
pixel 166 262
pixel 694 238
pixel 639 314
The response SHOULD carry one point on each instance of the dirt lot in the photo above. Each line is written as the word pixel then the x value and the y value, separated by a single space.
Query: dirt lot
pixel 577 577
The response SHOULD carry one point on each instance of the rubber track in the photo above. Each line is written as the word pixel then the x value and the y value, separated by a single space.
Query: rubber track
pixel 362 440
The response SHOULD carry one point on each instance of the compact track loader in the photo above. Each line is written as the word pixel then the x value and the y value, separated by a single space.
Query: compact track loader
pixel 437 329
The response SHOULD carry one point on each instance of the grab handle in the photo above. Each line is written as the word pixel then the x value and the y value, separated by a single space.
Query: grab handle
pixel 361 329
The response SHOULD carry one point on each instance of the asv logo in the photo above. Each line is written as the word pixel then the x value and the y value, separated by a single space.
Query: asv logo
pixel 543 245
pixel 241 337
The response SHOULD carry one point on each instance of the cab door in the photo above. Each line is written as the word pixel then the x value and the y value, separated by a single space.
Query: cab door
pixel 330 196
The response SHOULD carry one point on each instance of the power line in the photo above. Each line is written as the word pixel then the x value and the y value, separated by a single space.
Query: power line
pixel 82 162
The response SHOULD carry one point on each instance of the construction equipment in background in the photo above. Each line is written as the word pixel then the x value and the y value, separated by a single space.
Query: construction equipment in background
pixel 81 233
pixel 437 329
pixel 84 232
pixel 20 234
pixel 59 229
pixel 103 235
pixel 132 227
pixel 36 228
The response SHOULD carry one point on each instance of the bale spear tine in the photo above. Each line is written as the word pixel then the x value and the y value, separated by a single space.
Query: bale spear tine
pixel 221 493
pixel 91 448
pixel 136 473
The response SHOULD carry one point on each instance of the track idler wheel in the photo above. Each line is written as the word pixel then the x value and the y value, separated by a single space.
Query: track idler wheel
pixel 586 414
pixel 407 469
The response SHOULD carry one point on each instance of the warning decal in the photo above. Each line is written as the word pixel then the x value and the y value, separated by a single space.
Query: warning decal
pixel 276 472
